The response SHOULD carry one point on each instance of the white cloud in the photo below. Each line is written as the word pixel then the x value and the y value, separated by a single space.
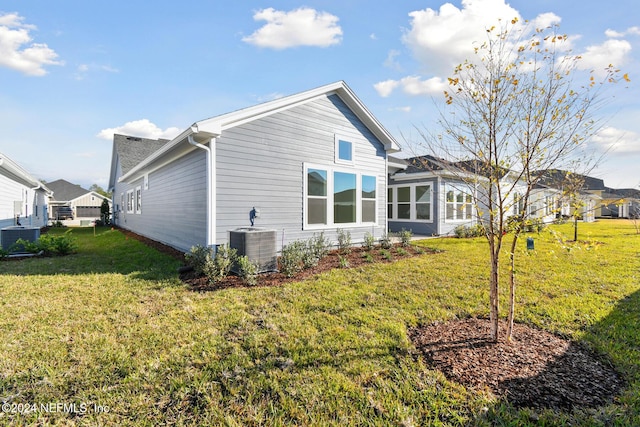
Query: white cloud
pixel 617 141
pixel 617 34
pixel 84 69
pixel 299 27
pixel 598 57
pixel 391 62
pixel 140 128
pixel 442 39
pixel 412 85
pixel 386 87
pixel 30 60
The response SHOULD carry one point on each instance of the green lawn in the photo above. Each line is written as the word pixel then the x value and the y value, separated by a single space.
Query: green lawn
pixel 114 332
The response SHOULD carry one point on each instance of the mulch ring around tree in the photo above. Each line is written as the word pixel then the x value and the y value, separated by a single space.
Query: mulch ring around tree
pixel 537 369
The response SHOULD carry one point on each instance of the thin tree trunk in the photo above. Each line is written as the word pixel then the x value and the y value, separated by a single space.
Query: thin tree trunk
pixel 493 295
pixel 512 288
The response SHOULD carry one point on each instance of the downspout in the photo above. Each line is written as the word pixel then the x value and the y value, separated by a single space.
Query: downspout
pixel 211 187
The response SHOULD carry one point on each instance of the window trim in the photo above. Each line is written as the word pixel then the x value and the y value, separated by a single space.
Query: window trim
pixel 337 139
pixel 130 201
pixel 413 210
pixel 330 170
pixel 138 200
pixel 458 206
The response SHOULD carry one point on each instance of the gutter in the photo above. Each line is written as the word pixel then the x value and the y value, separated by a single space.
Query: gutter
pixel 211 181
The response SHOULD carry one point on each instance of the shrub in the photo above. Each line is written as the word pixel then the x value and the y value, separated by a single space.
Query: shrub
pixel 344 261
pixel 22 245
pixel 248 270
pixel 214 267
pixel 385 241
pixel 291 258
pixel 344 241
pixel 3 253
pixel 464 231
pixel 219 267
pixel 48 244
pixel 402 252
pixel 319 245
pixel 386 254
pixel 197 258
pixel 405 237
pixel 367 257
pixel 369 241
pixel 534 225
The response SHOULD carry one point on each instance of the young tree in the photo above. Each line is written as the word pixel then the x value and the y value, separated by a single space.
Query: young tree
pixel 105 212
pixel 515 111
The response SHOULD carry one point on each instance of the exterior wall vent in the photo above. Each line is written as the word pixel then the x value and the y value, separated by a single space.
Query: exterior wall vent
pixel 258 244
pixel 10 235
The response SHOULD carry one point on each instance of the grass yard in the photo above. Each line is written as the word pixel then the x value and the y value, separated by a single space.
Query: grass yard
pixel 110 336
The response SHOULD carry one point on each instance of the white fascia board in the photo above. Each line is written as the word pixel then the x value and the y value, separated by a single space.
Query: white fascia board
pixel 15 169
pixel 402 176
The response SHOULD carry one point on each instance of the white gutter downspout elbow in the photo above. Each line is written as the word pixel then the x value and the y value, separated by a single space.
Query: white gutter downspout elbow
pixel 211 203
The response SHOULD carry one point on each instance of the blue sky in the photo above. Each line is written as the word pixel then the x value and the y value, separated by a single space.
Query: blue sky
pixel 74 72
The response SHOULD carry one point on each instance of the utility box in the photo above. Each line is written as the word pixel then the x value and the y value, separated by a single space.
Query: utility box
pixel 258 244
pixel 530 245
pixel 10 235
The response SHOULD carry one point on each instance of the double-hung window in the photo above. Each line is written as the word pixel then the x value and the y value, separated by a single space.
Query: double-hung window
pixel 130 201
pixel 337 196
pixel 138 200
pixel 458 204
pixel 410 202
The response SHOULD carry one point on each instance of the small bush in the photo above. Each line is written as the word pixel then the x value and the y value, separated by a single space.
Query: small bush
pixel 48 244
pixel 22 245
pixel 534 225
pixel 319 245
pixel 197 258
pixel 214 267
pixel 464 231
pixel 247 270
pixel 344 241
pixel 386 254
pixel 369 241
pixel 402 252
pixel 367 257
pixel 385 241
pixel 405 237
pixel 218 267
pixel 3 253
pixel 344 261
pixel 291 258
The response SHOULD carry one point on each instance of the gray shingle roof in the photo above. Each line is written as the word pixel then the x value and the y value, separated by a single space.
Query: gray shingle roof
pixel 132 150
pixel 64 191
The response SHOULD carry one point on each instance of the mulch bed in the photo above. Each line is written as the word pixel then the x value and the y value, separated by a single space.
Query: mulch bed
pixel 355 258
pixel 537 369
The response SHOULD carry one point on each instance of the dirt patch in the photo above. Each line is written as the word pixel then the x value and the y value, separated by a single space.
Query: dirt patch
pixel 537 369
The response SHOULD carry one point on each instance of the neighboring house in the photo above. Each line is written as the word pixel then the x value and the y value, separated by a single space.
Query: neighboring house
pixel 23 198
pixel 307 163
pixel 85 204
pixel 428 197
